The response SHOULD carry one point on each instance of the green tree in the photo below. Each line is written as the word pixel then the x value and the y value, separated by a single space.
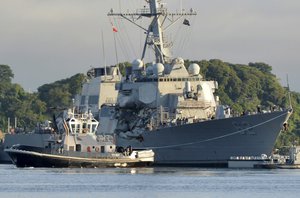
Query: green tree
pixel 60 93
pixel 6 74
pixel 16 103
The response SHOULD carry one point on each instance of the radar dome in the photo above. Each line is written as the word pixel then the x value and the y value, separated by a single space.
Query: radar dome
pixel 137 64
pixel 158 69
pixel 194 69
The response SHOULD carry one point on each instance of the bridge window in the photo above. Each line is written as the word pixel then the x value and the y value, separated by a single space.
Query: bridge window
pixel 93 99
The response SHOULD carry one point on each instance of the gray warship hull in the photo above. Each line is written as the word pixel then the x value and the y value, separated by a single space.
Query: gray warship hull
pixel 4 158
pixel 213 142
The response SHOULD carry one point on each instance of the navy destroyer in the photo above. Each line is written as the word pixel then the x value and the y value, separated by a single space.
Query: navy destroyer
pixel 171 109
pixel 174 111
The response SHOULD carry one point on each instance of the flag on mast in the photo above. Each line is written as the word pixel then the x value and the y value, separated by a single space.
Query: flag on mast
pixel 114 29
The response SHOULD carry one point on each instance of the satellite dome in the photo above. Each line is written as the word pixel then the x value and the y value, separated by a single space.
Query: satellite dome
pixel 194 69
pixel 158 69
pixel 137 64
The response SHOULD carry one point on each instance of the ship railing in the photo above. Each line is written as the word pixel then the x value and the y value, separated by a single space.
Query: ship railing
pixel 151 39
pixel 143 11
pixel 261 157
pixel 194 104
pixel 110 101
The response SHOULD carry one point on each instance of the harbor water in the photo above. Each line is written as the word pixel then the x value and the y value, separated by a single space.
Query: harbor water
pixel 148 182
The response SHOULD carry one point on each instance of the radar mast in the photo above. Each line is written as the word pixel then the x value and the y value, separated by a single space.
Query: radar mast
pixel 161 20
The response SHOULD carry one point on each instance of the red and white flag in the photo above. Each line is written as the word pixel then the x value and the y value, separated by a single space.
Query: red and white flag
pixel 114 29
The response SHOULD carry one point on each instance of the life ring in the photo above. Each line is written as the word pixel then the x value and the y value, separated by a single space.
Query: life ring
pixel 97 149
pixel 88 149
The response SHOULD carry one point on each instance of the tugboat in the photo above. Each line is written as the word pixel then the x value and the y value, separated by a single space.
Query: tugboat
pixel 77 145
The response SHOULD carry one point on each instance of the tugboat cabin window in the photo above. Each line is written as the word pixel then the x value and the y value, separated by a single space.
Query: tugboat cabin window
pixel 84 128
pixel 78 128
pixel 78 147
pixel 94 126
pixel 73 128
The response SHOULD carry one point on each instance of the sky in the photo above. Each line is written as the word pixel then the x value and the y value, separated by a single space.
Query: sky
pixel 48 40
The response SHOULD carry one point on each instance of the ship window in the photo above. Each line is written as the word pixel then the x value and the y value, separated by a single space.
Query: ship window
pixel 73 127
pixel 93 99
pixel 102 149
pixel 78 128
pixel 82 100
pixel 94 127
pixel 78 147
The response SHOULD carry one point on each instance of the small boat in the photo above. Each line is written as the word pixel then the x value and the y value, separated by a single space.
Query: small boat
pixel 77 145
pixel 291 161
pixel 247 161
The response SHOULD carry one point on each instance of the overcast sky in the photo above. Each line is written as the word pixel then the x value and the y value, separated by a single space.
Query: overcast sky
pixel 48 40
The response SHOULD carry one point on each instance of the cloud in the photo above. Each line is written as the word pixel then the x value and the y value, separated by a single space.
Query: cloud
pixel 62 37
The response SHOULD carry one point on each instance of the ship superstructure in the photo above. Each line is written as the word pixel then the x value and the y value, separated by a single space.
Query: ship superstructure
pixel 99 89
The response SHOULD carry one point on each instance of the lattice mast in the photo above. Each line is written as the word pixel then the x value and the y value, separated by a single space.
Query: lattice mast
pixel 161 20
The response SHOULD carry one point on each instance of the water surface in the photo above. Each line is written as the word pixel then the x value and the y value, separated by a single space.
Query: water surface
pixel 147 182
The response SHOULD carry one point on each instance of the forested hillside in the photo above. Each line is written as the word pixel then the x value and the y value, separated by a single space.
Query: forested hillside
pixel 31 108
pixel 17 103
pixel 243 87
pixel 59 94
